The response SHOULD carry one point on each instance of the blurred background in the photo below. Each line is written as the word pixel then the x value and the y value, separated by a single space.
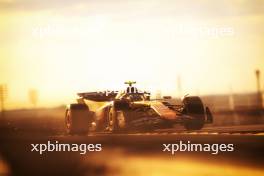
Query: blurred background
pixel 61 47
pixel 50 50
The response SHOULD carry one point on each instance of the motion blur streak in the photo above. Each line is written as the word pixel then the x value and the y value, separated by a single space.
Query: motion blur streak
pixel 123 163
pixel 187 167
pixel 4 169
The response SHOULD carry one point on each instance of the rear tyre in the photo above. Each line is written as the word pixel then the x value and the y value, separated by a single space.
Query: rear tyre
pixel 194 107
pixel 78 119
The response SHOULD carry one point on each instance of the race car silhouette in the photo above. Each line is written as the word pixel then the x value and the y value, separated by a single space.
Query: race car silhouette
pixel 131 110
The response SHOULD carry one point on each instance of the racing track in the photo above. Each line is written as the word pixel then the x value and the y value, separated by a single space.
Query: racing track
pixel 248 142
pixel 247 139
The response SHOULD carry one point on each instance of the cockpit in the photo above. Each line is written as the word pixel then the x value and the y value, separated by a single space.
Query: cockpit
pixel 132 94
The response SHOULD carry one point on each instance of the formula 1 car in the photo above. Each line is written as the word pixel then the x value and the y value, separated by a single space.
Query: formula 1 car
pixel 132 109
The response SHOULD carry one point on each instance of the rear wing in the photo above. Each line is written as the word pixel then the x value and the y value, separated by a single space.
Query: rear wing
pixel 98 96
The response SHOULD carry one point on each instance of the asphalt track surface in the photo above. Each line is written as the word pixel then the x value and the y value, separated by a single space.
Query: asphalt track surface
pixel 208 129
pixel 224 131
pixel 251 137
pixel 248 143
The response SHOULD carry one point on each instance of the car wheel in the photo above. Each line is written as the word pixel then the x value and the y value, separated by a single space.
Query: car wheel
pixel 112 120
pixel 194 107
pixel 116 121
pixel 78 119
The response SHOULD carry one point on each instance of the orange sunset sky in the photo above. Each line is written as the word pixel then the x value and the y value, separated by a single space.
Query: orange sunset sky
pixel 62 47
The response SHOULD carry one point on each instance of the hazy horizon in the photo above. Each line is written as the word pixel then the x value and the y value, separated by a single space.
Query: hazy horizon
pixel 63 47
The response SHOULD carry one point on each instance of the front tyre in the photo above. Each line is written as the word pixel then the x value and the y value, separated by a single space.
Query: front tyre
pixel 78 119
pixel 116 121
pixel 111 120
pixel 194 107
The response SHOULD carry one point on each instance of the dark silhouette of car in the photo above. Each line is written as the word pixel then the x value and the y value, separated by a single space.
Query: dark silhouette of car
pixel 132 110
